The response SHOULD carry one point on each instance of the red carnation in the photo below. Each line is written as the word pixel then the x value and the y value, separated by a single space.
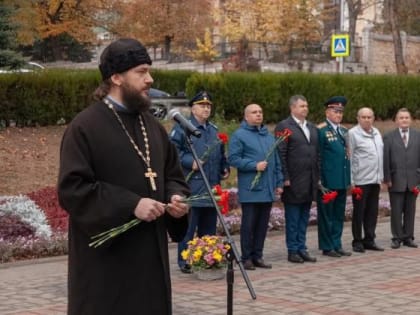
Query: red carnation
pixel 328 195
pixel 223 137
pixel 357 192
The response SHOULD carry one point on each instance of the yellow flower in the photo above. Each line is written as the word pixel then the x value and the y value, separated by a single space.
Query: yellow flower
pixel 185 253
pixel 197 254
pixel 212 241
pixel 193 242
pixel 217 256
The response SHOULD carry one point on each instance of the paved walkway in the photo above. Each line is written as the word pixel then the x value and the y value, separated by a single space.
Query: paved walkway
pixel 371 283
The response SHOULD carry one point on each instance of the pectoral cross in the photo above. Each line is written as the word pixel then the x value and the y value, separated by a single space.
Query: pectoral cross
pixel 151 176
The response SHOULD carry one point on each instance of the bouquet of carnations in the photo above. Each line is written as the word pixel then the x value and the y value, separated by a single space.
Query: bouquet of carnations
pixel 282 135
pixel 221 196
pixel 357 192
pixel 327 194
pixel 415 190
pixel 222 138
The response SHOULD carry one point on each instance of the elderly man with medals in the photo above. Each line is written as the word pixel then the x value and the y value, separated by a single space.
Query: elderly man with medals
pixel 335 176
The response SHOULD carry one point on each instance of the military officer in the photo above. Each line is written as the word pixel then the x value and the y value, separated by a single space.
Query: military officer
pixel 334 176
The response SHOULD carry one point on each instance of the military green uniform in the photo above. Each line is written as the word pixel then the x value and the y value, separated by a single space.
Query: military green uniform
pixel 335 175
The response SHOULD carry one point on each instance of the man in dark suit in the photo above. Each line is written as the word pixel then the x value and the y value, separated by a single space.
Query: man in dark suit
pixel 299 159
pixel 335 175
pixel 402 174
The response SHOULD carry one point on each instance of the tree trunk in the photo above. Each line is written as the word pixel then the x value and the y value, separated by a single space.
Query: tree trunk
pixel 355 7
pixel 168 40
pixel 390 6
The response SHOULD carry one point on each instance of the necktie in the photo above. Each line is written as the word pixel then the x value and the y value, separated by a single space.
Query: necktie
pixel 404 136
pixel 305 130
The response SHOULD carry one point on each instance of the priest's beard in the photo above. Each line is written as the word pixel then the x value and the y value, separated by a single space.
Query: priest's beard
pixel 133 100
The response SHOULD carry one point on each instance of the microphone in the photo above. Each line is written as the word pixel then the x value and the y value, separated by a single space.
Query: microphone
pixel 189 128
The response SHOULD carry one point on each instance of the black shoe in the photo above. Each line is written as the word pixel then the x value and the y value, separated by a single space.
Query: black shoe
pixel 260 263
pixel 358 248
pixel 295 258
pixel 330 253
pixel 342 252
pixel 186 269
pixel 395 244
pixel 248 265
pixel 374 247
pixel 306 257
pixel 410 243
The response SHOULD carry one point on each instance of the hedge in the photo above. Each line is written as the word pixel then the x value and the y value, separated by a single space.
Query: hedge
pixel 46 97
pixel 384 93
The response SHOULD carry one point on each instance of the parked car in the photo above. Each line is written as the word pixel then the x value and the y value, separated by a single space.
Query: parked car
pixel 28 67
pixel 163 102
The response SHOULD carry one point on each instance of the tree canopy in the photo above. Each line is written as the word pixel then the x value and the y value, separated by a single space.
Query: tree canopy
pixel 8 56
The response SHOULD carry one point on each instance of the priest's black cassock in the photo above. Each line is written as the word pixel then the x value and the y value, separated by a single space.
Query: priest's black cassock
pixel 101 180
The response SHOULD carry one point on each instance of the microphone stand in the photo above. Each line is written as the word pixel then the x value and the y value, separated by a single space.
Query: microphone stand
pixel 233 253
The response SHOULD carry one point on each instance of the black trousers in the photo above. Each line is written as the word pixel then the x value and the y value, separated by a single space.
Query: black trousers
pixel 365 214
pixel 403 214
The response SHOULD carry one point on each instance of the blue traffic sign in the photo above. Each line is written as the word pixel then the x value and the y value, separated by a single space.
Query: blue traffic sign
pixel 340 45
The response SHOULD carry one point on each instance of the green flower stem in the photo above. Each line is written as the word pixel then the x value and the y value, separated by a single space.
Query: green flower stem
pixel 204 157
pixel 107 235
pixel 270 152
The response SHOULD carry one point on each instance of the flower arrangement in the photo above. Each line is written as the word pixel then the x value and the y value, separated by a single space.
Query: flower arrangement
pixel 415 190
pixel 222 138
pixel 357 192
pixel 282 135
pixel 221 196
pixel 327 194
pixel 206 252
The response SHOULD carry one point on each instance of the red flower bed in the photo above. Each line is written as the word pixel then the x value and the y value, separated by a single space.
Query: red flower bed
pixel 12 227
pixel 47 200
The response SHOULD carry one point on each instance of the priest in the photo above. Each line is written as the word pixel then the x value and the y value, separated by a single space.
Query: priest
pixel 117 164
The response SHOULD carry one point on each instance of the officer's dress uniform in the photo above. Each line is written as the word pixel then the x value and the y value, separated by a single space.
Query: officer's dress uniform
pixel 335 176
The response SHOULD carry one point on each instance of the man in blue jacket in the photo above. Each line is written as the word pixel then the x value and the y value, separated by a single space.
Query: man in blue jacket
pixel 210 150
pixel 248 148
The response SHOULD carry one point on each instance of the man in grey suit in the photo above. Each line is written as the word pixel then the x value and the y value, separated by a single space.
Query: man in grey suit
pixel 299 160
pixel 402 174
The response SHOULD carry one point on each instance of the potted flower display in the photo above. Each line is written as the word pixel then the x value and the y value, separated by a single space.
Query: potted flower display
pixel 207 256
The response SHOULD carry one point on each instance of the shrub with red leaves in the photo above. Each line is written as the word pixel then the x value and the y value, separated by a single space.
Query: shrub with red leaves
pixel 11 227
pixel 47 199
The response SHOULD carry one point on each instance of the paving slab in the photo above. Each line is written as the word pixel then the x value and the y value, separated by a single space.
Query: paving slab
pixel 363 284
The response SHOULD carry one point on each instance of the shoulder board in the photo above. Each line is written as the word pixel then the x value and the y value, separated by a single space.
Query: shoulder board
pixel 344 128
pixel 322 125
pixel 173 132
pixel 213 125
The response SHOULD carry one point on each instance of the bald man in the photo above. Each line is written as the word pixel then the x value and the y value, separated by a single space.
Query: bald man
pixel 366 160
pixel 248 149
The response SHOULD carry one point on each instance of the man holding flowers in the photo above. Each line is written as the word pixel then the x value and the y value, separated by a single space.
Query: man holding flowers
pixel 299 160
pixel 116 165
pixel 248 148
pixel 334 175
pixel 402 175
pixel 210 149
pixel 366 160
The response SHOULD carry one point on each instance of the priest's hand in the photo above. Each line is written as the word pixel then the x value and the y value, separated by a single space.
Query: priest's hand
pixel 149 209
pixel 177 207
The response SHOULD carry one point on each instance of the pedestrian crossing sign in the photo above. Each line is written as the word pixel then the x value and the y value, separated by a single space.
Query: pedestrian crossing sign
pixel 340 45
